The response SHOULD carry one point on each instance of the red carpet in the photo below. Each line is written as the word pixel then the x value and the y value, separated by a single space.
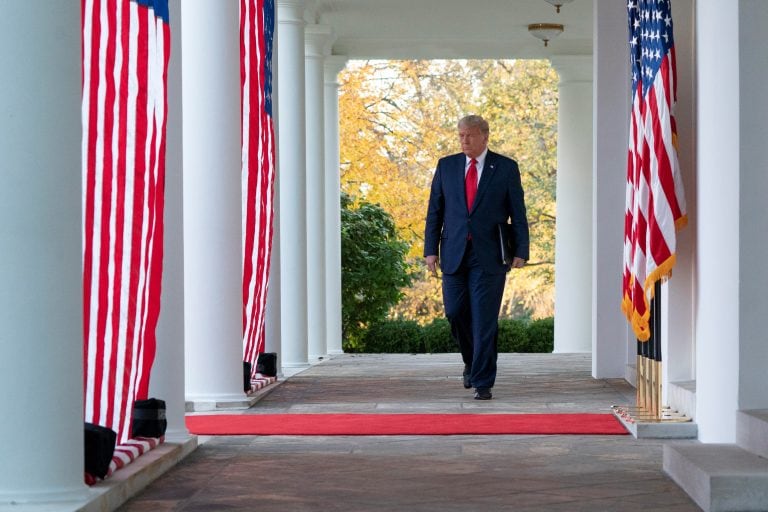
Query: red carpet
pixel 401 424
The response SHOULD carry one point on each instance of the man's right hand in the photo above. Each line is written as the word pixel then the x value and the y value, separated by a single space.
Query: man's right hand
pixel 432 263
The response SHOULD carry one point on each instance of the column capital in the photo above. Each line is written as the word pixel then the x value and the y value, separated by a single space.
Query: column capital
pixel 572 68
pixel 291 12
pixel 318 40
pixel 332 66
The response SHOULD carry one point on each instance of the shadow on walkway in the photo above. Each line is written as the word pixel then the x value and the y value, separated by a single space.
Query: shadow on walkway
pixel 426 473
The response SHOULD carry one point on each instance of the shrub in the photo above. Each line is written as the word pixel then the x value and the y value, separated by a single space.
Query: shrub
pixel 437 337
pixel 513 335
pixel 541 335
pixel 393 337
pixel 407 336
pixel 373 267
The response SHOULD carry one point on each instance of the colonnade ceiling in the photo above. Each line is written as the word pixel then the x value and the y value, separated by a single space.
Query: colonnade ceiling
pixel 452 29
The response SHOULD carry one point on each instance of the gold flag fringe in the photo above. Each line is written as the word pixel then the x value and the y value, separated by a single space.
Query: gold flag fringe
pixel 662 272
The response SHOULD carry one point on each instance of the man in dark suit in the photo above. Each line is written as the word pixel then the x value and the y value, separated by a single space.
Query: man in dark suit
pixel 472 193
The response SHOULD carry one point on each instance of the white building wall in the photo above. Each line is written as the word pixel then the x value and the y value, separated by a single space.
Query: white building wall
pixel 717 229
pixel 677 318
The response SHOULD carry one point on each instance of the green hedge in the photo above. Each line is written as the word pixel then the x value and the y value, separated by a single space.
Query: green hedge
pixel 407 336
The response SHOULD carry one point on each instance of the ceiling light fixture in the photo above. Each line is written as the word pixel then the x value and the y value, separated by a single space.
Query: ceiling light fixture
pixel 545 31
pixel 558 3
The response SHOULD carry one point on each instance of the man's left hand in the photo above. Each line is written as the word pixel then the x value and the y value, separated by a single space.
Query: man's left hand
pixel 518 262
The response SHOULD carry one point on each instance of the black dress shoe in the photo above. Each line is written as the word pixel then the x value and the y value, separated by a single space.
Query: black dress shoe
pixel 467 383
pixel 483 394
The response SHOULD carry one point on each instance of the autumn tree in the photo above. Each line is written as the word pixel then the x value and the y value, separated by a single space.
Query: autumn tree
pixel 399 117
pixel 373 266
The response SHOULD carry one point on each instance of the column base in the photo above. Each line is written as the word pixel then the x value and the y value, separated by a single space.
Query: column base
pixel 133 478
pixel 291 369
pixel 630 375
pixel 295 365
pixel 47 500
pixel 198 403
pixel 222 403
pixel 120 487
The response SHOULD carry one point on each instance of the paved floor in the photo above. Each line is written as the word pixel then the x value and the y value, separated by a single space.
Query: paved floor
pixel 426 473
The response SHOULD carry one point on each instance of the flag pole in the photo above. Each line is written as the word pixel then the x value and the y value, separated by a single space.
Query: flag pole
pixel 639 384
pixel 648 365
pixel 657 344
pixel 646 378
pixel 649 254
pixel 652 405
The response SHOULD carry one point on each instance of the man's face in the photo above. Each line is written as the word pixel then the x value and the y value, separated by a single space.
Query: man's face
pixel 473 141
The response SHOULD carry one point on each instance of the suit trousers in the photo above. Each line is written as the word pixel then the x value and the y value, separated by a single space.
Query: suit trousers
pixel 472 299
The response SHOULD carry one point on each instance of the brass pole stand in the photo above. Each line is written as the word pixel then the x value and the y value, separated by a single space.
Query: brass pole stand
pixel 648 408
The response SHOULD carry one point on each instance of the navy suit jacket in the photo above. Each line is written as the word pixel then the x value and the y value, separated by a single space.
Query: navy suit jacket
pixel 499 198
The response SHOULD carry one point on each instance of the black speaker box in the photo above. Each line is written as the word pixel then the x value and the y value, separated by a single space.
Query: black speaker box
pixel 266 364
pixel 246 376
pixel 149 418
pixel 99 449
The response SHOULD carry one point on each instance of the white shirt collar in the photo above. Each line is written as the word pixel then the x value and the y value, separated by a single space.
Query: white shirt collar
pixel 480 161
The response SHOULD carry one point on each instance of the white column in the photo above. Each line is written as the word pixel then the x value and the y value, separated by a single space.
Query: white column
pixel 333 65
pixel 753 216
pixel 293 191
pixel 272 321
pixel 273 338
pixel 717 297
pixel 610 341
pixel 731 275
pixel 41 300
pixel 573 244
pixel 212 211
pixel 676 301
pixel 318 39
pixel 167 381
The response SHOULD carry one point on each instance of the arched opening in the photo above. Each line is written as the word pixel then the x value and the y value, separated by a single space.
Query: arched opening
pixel 397 118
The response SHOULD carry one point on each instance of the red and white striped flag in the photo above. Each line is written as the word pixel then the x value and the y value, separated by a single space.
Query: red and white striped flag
pixel 655 203
pixel 125 47
pixel 257 20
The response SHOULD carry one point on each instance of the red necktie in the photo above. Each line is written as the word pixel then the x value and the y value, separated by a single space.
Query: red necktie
pixel 470 184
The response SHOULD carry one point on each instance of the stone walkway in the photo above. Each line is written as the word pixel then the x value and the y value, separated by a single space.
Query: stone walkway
pixel 426 473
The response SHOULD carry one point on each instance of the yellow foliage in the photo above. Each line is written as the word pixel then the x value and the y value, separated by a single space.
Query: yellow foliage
pixel 398 117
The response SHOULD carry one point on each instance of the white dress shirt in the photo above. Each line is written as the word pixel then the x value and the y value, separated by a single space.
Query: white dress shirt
pixel 480 164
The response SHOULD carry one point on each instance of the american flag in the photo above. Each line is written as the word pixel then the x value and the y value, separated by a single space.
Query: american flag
pixel 655 203
pixel 125 49
pixel 257 21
